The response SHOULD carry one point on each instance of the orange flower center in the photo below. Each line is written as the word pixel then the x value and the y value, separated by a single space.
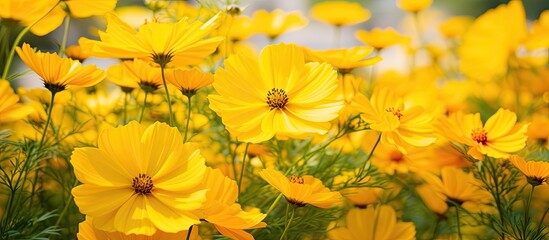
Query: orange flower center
pixel 396 156
pixel 142 184
pixel 395 111
pixel 296 179
pixel 479 135
pixel 277 98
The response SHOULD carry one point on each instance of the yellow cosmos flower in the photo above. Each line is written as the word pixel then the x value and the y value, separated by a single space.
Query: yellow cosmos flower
pixel 454 184
pixel 140 180
pixel 538 130
pixel 539 35
pixel 72 8
pixel 413 6
pixel 537 172
pixel 86 231
pixel 221 210
pixel 403 127
pixel 148 77
pixel 27 12
pixel 373 223
pixel 345 59
pixel 277 22
pixel 455 27
pixel 120 75
pixel 340 13
pixel 10 109
pixel 77 52
pixel 179 43
pixel 388 159
pixel 58 73
pixel 381 38
pixel 497 138
pixel 189 81
pixel 491 40
pixel 303 190
pixel 284 95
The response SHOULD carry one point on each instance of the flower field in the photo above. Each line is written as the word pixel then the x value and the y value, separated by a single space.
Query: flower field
pixel 164 119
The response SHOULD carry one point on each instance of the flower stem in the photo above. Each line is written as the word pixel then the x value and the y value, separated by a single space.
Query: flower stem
pixel 65 35
pixel 274 204
pixel 18 39
pixel 361 171
pixel 172 122
pixel 143 108
pixel 527 211
pixel 126 108
pixel 458 223
pixel 337 36
pixel 188 119
pixel 67 204
pixel 288 224
pixel 242 169
pixel 50 107
pixel 189 232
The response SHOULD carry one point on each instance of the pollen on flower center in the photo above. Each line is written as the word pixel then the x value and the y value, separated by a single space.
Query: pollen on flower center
pixel 479 135
pixel 277 98
pixel 296 179
pixel 395 111
pixel 142 184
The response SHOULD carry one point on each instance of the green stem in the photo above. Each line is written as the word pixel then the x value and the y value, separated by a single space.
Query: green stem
pixel 188 119
pixel 242 169
pixel 527 211
pixel 65 35
pixel 172 122
pixel 67 204
pixel 126 108
pixel 458 223
pixel 50 107
pixel 189 232
pixel 419 29
pixel 143 108
pixel 18 39
pixel 288 224
pixel 274 204
pixel 361 171
pixel 337 36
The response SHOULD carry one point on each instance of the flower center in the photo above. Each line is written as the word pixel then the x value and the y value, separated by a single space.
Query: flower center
pixel 277 98
pixel 395 111
pixel 296 179
pixel 479 135
pixel 396 156
pixel 142 184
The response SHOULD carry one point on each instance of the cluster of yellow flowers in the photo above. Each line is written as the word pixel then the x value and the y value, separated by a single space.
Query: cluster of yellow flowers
pixel 195 134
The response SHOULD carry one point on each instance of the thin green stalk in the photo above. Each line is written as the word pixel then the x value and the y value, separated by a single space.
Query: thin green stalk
pixel 361 171
pixel 144 105
pixel 18 39
pixel 49 119
pixel 172 122
pixel 126 108
pixel 233 157
pixel 458 222
pixel 419 29
pixel 288 224
pixel 274 204
pixel 527 211
pixel 65 35
pixel 67 204
pixel 188 119
pixel 337 36
pixel 189 232
pixel 242 169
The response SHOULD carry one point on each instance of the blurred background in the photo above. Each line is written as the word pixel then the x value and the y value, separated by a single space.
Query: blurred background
pixel 315 35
